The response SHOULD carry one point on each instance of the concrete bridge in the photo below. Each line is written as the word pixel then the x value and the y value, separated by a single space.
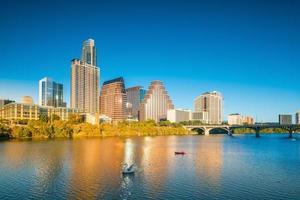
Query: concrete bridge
pixel 290 128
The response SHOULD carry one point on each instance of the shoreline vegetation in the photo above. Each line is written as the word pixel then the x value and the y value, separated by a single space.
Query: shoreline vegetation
pixel 75 128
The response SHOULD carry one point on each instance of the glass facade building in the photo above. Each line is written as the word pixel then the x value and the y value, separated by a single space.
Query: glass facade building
pixel 50 93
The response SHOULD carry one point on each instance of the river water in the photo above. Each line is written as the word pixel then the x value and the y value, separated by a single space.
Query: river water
pixel 215 167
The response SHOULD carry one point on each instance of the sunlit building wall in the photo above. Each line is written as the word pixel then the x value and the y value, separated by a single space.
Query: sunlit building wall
pixel 113 99
pixel 28 111
pixel 85 77
pixel 178 115
pixel 212 103
pixel 235 119
pixel 156 103
pixel 248 120
pixel 200 116
pixel 135 95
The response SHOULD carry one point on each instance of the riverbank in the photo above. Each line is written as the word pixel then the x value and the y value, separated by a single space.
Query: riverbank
pixel 68 129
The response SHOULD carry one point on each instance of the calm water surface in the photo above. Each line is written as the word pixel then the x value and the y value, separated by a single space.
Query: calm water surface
pixel 216 167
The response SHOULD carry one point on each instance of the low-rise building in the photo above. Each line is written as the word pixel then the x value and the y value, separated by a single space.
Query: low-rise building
pixel 235 119
pixel 26 111
pixel 248 120
pixel 178 115
pixel 200 116
pixel 297 118
pixel 285 119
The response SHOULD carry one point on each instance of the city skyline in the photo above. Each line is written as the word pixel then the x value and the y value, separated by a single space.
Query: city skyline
pixel 221 63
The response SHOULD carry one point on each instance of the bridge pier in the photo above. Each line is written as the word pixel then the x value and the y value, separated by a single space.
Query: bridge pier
pixel 206 131
pixel 257 133
pixel 229 132
pixel 291 133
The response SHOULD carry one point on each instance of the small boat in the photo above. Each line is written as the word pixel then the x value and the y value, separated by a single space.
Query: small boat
pixel 180 153
pixel 128 169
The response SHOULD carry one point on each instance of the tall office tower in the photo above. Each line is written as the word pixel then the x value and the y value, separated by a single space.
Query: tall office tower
pixel 113 99
pixel 285 119
pixel 88 54
pixel 156 103
pixel 212 103
pixel 85 77
pixel 135 95
pixel 50 93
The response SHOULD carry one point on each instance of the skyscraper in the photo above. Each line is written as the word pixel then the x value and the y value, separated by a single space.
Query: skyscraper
pixel 50 93
pixel 135 95
pixel 85 77
pixel 88 53
pixel 212 103
pixel 113 99
pixel 156 103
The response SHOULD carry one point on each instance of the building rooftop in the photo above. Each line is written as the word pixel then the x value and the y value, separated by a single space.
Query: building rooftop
pixel 119 79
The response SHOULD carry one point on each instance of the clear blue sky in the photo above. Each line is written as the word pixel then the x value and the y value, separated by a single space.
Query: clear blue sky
pixel 248 50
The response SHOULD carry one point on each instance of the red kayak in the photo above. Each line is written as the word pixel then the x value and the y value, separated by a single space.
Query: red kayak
pixel 180 153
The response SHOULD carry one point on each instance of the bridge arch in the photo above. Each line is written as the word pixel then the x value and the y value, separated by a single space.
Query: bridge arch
pixel 227 130
pixel 199 130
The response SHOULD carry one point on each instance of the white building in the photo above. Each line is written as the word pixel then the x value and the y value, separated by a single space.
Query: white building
pixel 235 119
pixel 212 103
pixel 200 116
pixel 178 115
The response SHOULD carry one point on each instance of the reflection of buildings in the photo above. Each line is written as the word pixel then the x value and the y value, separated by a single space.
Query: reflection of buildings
pixel 95 164
pixel 209 160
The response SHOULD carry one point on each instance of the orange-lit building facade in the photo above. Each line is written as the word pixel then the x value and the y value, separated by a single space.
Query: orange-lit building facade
pixel 113 99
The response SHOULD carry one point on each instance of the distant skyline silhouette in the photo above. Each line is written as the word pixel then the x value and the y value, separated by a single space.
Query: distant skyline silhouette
pixel 248 50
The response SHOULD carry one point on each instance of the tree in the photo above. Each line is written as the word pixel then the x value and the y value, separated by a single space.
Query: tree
pixel 44 117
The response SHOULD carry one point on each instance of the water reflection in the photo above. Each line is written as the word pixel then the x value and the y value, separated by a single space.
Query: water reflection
pixel 215 167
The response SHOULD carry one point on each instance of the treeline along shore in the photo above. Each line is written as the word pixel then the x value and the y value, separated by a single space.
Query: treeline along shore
pixel 76 128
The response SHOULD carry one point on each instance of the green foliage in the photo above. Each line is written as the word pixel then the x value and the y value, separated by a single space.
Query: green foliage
pixel 44 117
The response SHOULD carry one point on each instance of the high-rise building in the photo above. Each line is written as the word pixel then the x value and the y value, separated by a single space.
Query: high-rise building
pixel 88 53
pixel 50 93
pixel 85 77
pixel 297 118
pixel 113 99
pixel 178 115
pixel 285 119
pixel 212 103
pixel 156 103
pixel 135 95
